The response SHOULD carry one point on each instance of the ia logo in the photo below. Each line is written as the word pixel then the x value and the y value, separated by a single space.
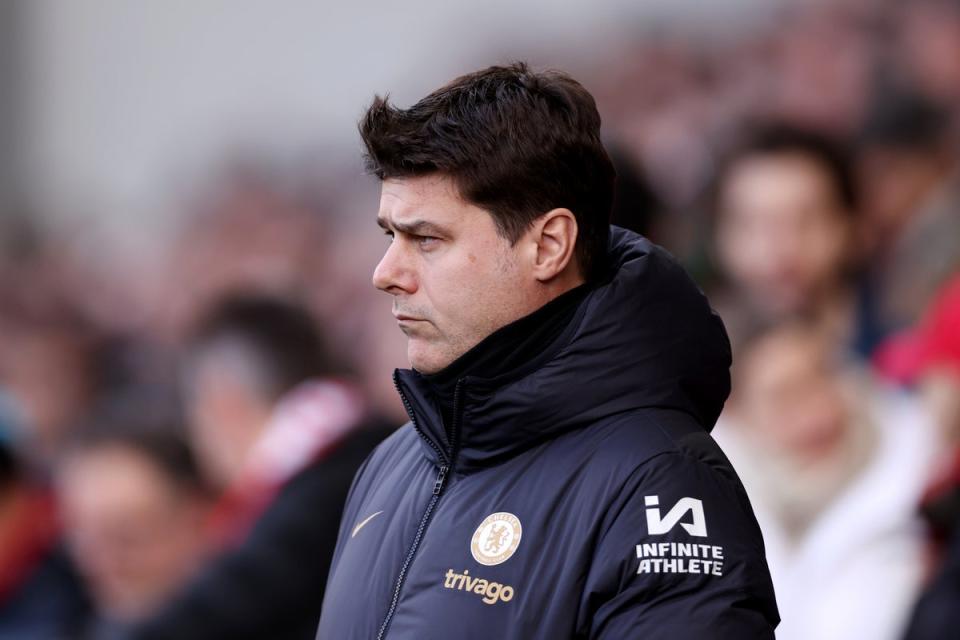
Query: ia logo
pixel 658 526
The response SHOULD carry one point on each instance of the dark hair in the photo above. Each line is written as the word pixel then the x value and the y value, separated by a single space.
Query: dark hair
pixel 775 138
pixel 8 466
pixel 904 120
pixel 136 422
pixel 636 204
pixel 517 143
pixel 280 336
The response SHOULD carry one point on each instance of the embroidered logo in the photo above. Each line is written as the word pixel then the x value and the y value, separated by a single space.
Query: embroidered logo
pixel 678 557
pixel 496 539
pixel 491 592
pixel 658 526
pixel 363 523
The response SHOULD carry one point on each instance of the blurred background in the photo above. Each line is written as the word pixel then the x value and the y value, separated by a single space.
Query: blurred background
pixel 182 204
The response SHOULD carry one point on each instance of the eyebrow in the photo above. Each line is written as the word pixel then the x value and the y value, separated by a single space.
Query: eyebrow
pixel 414 227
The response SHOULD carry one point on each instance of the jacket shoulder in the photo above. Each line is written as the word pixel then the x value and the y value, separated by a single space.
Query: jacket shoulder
pixel 678 529
pixel 634 438
pixel 394 449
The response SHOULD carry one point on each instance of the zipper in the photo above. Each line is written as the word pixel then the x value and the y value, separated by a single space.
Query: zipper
pixel 441 455
pixel 438 487
pixel 441 478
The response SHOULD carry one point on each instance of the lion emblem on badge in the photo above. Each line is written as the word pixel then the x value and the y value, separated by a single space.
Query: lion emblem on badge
pixel 496 539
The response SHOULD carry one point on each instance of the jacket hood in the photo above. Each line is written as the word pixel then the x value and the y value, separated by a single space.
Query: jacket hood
pixel 644 338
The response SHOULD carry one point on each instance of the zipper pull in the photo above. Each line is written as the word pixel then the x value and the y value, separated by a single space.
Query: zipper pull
pixel 441 478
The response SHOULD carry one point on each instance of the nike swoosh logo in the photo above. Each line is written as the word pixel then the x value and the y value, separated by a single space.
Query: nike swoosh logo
pixel 363 523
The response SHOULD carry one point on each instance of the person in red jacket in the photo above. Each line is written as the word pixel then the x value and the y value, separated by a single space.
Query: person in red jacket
pixel 41 595
pixel 928 357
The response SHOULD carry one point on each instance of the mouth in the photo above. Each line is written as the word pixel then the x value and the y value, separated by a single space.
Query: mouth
pixel 408 324
pixel 405 318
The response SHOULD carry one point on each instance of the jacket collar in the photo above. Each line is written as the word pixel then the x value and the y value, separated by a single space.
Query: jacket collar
pixel 645 338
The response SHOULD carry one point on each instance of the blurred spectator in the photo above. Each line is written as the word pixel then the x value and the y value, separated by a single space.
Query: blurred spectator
pixel 785 235
pixel 52 363
pixel 910 173
pixel 929 357
pixel 134 507
pixel 930 41
pixel 242 359
pixel 40 596
pixel 283 436
pixel 834 466
pixel 824 57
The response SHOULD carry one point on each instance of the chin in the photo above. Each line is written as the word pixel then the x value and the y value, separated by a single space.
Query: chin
pixel 426 360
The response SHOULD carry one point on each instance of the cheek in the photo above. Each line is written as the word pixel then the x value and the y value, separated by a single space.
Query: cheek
pixel 456 285
pixel 829 249
pixel 745 249
pixel 464 301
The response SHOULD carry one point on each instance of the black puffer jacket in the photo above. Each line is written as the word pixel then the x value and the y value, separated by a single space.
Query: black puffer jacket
pixel 581 497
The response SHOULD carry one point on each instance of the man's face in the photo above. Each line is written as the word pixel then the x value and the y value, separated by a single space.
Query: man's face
pixel 226 408
pixel 782 237
pixel 454 279
pixel 135 534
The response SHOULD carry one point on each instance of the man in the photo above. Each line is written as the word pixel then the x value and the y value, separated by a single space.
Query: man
pixel 910 169
pixel 281 433
pixel 785 235
pixel 557 478
pixel 133 503
pixel 928 356
pixel 835 465
pixel 41 596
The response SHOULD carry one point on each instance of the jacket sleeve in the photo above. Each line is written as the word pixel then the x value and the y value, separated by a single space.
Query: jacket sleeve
pixel 680 556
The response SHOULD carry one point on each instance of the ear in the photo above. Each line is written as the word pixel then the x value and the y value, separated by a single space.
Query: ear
pixel 555 236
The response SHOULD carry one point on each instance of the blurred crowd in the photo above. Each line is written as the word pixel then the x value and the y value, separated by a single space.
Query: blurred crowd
pixel 177 434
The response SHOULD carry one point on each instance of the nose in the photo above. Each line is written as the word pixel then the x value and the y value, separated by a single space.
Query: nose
pixel 393 274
